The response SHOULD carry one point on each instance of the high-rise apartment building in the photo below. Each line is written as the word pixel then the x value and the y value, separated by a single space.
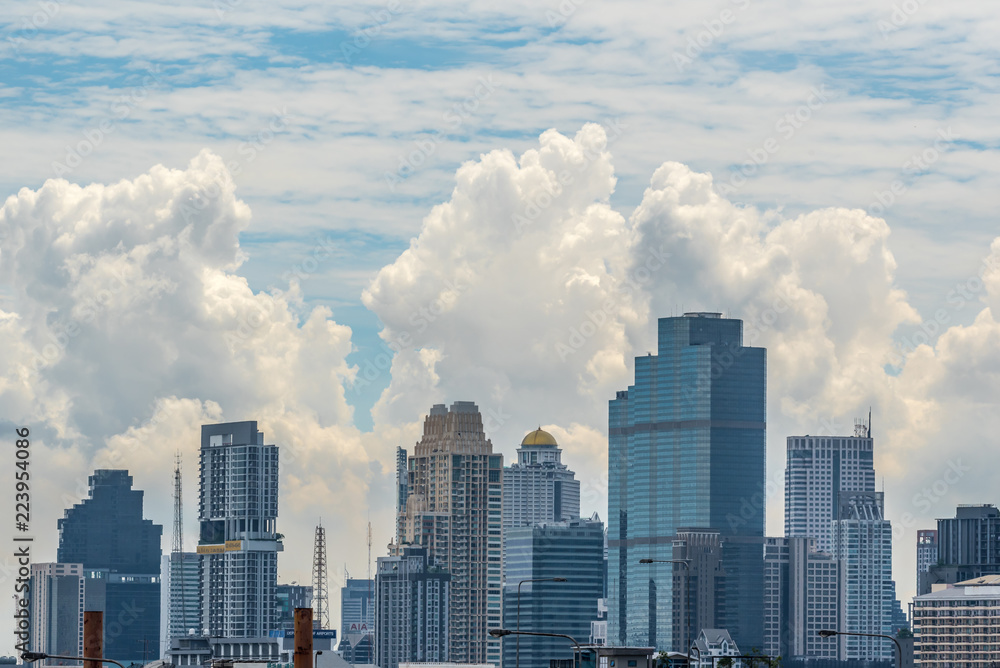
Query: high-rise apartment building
pixel 862 540
pixel 180 592
pixel 57 606
pixel 402 489
pixel 453 508
pixel 927 556
pixel 357 620
pixel 686 448
pixel 412 609
pixel 538 487
pixel 120 555
pixel 802 596
pixel 968 545
pixel 818 469
pixel 573 550
pixel 239 545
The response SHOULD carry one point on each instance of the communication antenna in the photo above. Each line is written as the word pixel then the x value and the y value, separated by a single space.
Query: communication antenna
pixel 178 507
pixel 321 596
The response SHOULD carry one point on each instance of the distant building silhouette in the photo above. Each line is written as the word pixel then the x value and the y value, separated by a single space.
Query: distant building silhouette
pixel 968 545
pixel 180 593
pixel 927 556
pixel 357 621
pixel 58 592
pixel 120 555
pixel 287 598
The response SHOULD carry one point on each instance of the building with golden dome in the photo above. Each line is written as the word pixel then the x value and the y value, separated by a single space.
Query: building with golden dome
pixel 538 487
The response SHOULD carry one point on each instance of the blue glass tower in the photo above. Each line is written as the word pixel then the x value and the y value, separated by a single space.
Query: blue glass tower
pixel 573 550
pixel 686 448
pixel 120 554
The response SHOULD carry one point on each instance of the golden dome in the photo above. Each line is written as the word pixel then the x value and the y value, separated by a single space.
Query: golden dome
pixel 539 437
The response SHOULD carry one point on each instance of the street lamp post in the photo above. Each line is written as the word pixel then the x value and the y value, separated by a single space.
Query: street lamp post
pixel 829 633
pixel 687 594
pixel 500 633
pixel 517 650
pixel 38 656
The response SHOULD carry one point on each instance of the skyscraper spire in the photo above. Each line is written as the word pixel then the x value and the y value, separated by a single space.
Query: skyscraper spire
pixel 178 545
pixel 321 596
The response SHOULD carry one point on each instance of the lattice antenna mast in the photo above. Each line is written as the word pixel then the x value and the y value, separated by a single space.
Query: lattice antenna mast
pixel 321 596
pixel 178 507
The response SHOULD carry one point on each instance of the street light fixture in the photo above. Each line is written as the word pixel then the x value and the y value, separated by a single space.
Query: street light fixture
pixel 38 656
pixel 829 633
pixel 517 650
pixel 687 593
pixel 500 633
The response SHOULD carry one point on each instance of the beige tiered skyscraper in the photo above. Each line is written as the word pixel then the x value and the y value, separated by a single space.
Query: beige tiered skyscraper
pixel 453 508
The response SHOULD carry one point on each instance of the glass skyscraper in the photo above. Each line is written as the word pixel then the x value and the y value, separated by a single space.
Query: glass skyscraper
pixel 120 555
pixel 573 550
pixel 686 448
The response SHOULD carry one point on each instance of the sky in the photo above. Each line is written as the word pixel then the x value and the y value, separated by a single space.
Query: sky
pixel 328 217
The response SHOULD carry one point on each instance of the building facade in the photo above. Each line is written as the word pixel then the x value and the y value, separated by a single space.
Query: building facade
pixel 818 469
pixel 412 609
pixel 802 596
pixel 958 624
pixel 863 542
pixel 453 509
pixel 927 556
pixel 120 555
pixel 573 550
pixel 357 621
pixel 968 545
pixel 288 597
pixel 238 542
pixel 686 448
pixel 538 487
pixel 180 591
pixel 57 600
pixel 699 588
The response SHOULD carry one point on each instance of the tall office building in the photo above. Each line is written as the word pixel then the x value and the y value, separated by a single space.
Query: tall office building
pixel 402 489
pixel 862 540
pixel 538 487
pixel 238 511
pixel 412 611
pixel 57 600
pixel 818 469
pixel 180 590
pixel 686 448
pixel 802 596
pixel 288 597
pixel 573 550
pixel 453 508
pixel 927 556
pixel 120 555
pixel 968 545
pixel 699 587
pixel 357 621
